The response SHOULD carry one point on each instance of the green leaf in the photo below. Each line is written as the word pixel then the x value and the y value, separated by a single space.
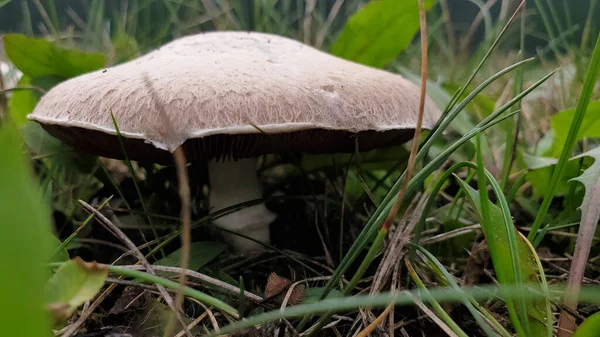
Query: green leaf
pixel 201 253
pixel 561 124
pixel 590 327
pixel 541 169
pixel 24 243
pixel 40 57
pixel 497 238
pixel 378 32
pixel 74 283
pixel 22 102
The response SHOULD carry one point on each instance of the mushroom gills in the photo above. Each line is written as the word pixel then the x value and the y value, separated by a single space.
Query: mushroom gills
pixel 231 183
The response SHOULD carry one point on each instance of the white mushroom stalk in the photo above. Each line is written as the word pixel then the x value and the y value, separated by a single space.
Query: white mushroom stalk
pixel 232 183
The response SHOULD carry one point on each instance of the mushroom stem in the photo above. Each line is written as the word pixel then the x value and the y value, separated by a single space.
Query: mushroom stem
pixel 231 183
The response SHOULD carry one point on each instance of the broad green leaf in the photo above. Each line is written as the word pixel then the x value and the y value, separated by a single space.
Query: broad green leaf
pixel 22 102
pixel 40 57
pixel 201 253
pixel 24 244
pixel 561 124
pixel 590 327
pixel 378 32
pixel 498 244
pixel 536 162
pixel 74 283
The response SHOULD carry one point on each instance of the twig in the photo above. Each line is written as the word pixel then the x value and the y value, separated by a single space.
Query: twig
pixel 186 214
pixel 431 315
pixel 168 131
pixel 367 331
pixel 449 235
pixel 393 253
pixel 293 285
pixel 193 324
pixel 196 275
pixel 70 330
pixel 211 316
pixel 119 234
pixel 415 143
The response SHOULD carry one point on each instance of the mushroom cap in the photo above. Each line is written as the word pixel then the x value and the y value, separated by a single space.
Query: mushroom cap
pixel 236 95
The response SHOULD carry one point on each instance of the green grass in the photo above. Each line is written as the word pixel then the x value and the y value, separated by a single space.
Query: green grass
pixel 498 134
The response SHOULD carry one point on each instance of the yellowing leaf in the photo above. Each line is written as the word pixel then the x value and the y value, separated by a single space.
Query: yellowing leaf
pixel 74 283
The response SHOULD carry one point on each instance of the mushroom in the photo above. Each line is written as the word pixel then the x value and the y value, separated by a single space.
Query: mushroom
pixel 231 97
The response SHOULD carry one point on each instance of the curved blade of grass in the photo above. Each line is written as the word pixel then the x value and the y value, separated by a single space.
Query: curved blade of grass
pixel 589 294
pixel 135 183
pixel 485 57
pixel 68 240
pixel 434 263
pixel 449 117
pixel 512 136
pixel 146 277
pixel 582 104
pixel 436 306
pixel 486 223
